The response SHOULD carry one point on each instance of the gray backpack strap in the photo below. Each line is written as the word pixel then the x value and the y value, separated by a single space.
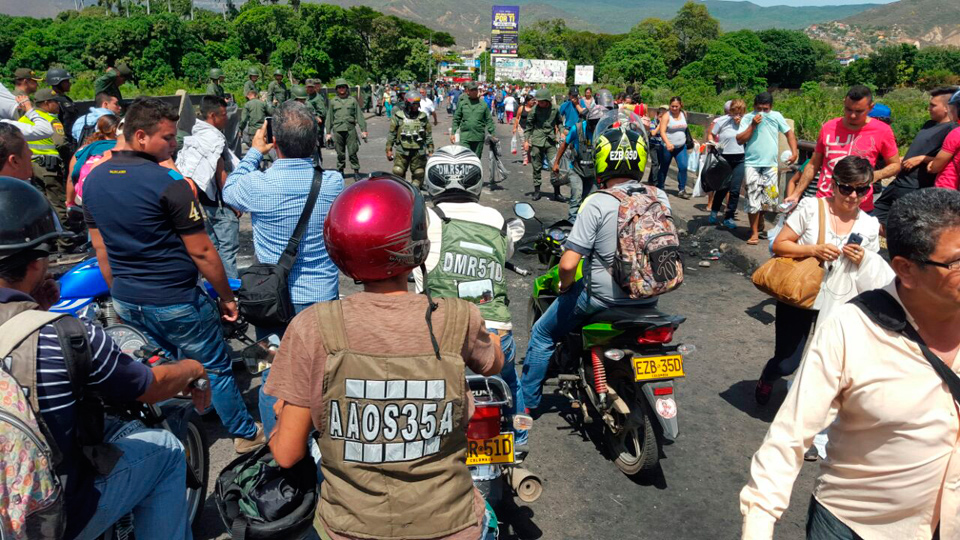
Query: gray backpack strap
pixel 12 334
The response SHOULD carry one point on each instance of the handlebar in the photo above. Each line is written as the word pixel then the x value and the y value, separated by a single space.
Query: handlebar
pixel 200 384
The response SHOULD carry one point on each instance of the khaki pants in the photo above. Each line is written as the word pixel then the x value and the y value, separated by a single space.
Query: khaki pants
pixel 414 160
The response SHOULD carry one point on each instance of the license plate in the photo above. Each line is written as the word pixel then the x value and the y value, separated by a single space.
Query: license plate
pixel 658 367
pixel 498 449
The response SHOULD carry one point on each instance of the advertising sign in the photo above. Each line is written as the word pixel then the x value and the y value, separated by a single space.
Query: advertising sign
pixel 531 71
pixel 505 31
pixel 583 75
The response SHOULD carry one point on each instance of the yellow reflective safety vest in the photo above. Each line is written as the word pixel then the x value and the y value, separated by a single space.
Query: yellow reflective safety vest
pixel 48 146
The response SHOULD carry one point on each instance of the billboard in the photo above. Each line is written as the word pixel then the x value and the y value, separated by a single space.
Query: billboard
pixel 531 71
pixel 583 75
pixel 505 31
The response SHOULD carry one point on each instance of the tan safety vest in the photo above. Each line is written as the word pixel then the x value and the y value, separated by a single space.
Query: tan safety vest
pixel 393 441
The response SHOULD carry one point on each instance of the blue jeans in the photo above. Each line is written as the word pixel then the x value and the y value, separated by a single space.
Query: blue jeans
pixel 267 401
pixel 564 315
pixel 193 330
pixel 680 154
pixel 150 480
pixel 223 226
pixel 509 376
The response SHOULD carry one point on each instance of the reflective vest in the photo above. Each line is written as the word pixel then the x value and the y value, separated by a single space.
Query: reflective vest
pixel 48 146
pixel 393 429
pixel 471 266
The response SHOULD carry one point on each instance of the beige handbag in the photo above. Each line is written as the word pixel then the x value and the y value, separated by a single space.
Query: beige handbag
pixel 793 281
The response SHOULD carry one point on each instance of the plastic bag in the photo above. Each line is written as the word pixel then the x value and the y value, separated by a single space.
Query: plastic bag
pixel 698 188
pixel 693 161
pixel 715 170
pixel 514 143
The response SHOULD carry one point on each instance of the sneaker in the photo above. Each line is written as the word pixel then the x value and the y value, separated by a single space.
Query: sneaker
pixel 243 446
pixel 683 195
pixel 712 219
pixel 763 391
pixel 729 224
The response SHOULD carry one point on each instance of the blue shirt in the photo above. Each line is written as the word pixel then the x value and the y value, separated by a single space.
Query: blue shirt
pixel 763 147
pixel 275 199
pixel 141 209
pixel 569 113
pixel 113 375
pixel 89 119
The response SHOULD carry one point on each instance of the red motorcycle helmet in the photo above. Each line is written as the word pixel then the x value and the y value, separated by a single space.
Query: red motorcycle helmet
pixel 377 228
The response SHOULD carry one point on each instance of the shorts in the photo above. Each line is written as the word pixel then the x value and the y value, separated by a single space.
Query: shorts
pixel 759 180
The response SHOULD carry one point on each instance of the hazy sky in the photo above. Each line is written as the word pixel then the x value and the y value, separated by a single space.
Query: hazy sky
pixel 799 3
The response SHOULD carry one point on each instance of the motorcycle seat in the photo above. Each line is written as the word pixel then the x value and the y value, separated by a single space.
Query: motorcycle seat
pixel 626 317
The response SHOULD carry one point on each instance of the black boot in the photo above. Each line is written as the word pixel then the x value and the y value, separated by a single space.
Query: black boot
pixel 536 193
pixel 557 196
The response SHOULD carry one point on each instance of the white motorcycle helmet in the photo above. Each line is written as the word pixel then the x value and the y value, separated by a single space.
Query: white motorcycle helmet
pixel 454 170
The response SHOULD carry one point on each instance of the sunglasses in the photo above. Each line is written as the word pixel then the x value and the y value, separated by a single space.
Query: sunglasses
pixel 846 190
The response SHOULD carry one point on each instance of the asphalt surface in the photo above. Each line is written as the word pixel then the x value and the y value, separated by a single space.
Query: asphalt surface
pixel 695 494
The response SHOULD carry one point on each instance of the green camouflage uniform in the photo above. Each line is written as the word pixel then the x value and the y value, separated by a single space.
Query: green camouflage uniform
pixel 107 84
pixel 343 117
pixel 254 112
pixel 542 136
pixel 214 89
pixel 277 92
pixel 413 138
pixel 474 121
pixel 250 86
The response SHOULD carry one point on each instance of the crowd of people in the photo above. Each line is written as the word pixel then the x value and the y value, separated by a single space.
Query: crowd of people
pixel 161 211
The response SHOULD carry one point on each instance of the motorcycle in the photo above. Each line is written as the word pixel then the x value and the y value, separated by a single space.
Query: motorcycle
pixel 492 458
pixel 618 365
pixel 176 415
pixel 85 294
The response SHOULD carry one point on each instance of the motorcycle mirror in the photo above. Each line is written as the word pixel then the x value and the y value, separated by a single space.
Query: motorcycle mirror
pixel 524 210
pixel 259 356
pixel 515 229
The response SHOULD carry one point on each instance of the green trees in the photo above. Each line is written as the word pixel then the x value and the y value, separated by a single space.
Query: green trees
pixel 695 29
pixel 635 59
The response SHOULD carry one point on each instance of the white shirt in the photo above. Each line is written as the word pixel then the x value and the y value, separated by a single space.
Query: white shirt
pixel 509 103
pixel 10 114
pixel 427 106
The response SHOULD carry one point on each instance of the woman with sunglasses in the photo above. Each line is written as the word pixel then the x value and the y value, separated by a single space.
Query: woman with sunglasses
pixel 850 233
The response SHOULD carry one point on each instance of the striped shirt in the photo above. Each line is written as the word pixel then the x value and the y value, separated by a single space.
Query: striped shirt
pixel 114 375
pixel 275 199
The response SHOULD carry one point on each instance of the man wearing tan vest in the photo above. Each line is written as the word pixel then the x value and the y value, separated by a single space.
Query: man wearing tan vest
pixel 380 374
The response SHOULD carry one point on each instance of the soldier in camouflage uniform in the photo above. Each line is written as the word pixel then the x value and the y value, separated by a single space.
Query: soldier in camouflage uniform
pixel 215 86
pixel 252 117
pixel 110 82
pixel 251 83
pixel 343 117
pixel 277 91
pixel 318 104
pixel 410 130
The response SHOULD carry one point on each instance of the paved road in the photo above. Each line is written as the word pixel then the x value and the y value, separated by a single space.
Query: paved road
pixel 695 494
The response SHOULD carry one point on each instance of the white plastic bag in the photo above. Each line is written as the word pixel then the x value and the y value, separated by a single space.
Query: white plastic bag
pixel 693 161
pixel 698 188
pixel 514 143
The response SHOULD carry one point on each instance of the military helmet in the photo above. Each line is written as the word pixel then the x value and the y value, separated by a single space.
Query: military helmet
pixel 341 82
pixel 298 91
pixel 253 71
pixel 620 153
pixel 216 73
pixel 56 76
pixel 278 72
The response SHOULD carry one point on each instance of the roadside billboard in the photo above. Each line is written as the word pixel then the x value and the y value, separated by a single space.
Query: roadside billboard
pixel 583 75
pixel 505 31
pixel 531 71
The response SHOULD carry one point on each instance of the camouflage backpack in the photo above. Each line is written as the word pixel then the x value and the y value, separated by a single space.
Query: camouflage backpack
pixel 647 262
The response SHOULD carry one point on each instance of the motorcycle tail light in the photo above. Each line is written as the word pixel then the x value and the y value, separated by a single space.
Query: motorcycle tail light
pixel 485 423
pixel 663 391
pixel 663 334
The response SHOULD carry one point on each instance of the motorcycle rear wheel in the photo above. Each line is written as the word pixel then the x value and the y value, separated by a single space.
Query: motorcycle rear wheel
pixel 635 448
pixel 197 452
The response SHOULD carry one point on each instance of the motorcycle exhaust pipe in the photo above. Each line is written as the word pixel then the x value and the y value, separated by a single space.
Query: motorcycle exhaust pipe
pixel 527 486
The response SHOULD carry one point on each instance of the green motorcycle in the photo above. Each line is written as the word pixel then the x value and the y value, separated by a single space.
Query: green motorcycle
pixel 618 366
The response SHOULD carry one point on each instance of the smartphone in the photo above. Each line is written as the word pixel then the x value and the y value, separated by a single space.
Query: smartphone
pixel 855 239
pixel 269 121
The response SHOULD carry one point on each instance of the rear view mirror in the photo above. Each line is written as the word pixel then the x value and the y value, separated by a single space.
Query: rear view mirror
pixel 524 210
pixel 515 229
pixel 259 356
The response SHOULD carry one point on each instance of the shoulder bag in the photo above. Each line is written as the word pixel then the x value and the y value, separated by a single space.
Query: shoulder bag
pixel 793 281
pixel 264 294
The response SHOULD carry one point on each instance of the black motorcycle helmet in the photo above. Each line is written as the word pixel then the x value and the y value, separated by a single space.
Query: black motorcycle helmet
pixel 27 221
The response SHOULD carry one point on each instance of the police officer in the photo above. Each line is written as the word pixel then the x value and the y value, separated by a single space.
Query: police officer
pixel 24 85
pixel 215 86
pixel 110 82
pixel 410 130
pixel 251 85
pixel 343 117
pixel 48 166
pixel 543 124
pixel 277 91
pixel 60 81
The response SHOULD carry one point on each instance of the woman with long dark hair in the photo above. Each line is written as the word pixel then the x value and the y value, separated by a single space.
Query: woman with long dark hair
pixel 673 131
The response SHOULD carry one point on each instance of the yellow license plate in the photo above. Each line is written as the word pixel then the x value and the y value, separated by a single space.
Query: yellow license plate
pixel 658 367
pixel 498 449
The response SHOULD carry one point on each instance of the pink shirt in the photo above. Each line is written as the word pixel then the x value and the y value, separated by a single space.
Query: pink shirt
pixel 835 142
pixel 950 176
